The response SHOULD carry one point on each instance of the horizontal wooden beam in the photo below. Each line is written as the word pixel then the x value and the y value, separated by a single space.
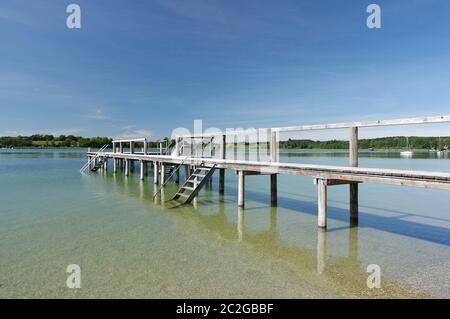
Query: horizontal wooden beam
pixel 130 140
pixel 425 179
pixel 335 182
pixel 374 123
pixel 408 121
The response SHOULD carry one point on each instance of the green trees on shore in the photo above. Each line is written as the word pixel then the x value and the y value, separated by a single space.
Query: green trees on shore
pixel 38 140
pixel 395 142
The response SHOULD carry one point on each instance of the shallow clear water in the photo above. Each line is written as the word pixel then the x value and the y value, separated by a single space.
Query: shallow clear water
pixel 128 246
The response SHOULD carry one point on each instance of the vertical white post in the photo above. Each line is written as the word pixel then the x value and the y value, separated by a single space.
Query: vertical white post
pixel 273 189
pixel 186 172
pixel 155 172
pixel 115 165
pixel 273 146
pixel 120 147
pixel 145 147
pixel 322 202
pixel 353 186
pixel 127 167
pixel 163 173
pixel 241 188
pixel 222 170
pixel 142 170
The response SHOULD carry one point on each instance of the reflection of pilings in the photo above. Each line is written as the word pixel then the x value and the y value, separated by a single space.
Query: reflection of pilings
pixel 321 250
pixel 155 191
pixel 353 243
pixel 141 191
pixel 273 220
pixel 353 204
pixel 240 223
pixel 195 201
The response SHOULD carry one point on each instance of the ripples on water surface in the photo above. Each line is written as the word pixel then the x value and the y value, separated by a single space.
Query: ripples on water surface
pixel 128 246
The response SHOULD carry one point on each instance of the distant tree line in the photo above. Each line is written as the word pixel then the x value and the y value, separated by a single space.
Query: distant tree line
pixel 50 141
pixel 395 142
pixel 39 140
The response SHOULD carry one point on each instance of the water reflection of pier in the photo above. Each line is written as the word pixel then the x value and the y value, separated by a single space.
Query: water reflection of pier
pixel 344 275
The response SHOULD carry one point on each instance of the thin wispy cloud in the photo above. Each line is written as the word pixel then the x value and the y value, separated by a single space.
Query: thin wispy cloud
pixel 98 115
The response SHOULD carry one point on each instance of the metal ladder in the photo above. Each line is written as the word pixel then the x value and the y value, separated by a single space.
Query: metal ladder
pixel 87 166
pixel 194 183
pixel 172 173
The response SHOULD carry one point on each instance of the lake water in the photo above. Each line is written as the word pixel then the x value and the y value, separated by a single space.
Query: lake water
pixel 128 246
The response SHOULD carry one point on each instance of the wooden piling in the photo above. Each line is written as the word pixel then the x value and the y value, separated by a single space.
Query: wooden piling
pixel 273 189
pixel 186 172
pixel 353 188
pixel 322 203
pixel 177 175
pixel 115 165
pixel 142 170
pixel 163 172
pixel 241 188
pixel 127 167
pixel 155 172
pixel 222 170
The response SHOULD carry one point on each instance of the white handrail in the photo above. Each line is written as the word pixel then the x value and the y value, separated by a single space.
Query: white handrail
pixel 91 159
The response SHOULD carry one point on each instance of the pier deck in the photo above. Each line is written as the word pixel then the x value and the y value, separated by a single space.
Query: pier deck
pixel 186 151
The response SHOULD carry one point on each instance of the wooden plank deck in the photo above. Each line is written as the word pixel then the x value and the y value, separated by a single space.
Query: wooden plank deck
pixel 425 179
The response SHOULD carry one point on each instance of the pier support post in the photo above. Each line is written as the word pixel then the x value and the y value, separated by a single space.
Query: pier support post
pixel 115 165
pixel 142 171
pixel 155 172
pixel 322 203
pixel 163 172
pixel 105 164
pixel 177 175
pixel 222 170
pixel 127 167
pixel 273 189
pixel 186 172
pixel 353 186
pixel 241 188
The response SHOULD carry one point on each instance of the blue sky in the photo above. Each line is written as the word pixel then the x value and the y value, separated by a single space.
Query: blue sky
pixel 146 67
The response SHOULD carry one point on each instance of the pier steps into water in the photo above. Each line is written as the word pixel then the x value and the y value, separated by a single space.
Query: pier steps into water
pixel 194 183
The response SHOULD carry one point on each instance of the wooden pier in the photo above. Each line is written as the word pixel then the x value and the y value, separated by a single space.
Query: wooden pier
pixel 196 152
